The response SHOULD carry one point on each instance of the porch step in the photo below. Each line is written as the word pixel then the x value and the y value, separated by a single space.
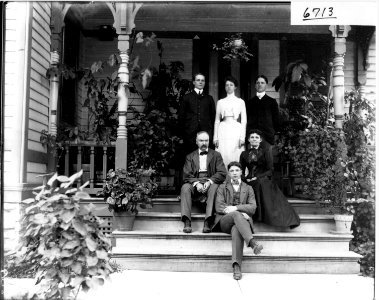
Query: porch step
pixel 297 264
pixel 171 222
pixel 282 253
pixel 172 204
pixel 274 243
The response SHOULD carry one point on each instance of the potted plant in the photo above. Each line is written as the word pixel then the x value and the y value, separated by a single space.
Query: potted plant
pixel 234 48
pixel 124 192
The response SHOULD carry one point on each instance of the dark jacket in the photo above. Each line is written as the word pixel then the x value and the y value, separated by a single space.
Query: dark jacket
pixel 224 198
pixel 263 114
pixel 215 167
pixel 197 113
pixel 260 168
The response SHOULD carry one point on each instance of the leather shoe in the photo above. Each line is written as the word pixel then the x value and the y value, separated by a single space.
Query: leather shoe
pixel 257 248
pixel 187 226
pixel 237 275
pixel 206 228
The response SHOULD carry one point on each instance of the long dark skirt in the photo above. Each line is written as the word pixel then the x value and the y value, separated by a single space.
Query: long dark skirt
pixel 272 206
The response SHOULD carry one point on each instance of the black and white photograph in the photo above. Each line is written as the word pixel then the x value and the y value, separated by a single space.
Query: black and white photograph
pixel 188 150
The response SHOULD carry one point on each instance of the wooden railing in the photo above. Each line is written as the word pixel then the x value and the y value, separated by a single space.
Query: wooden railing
pixel 94 159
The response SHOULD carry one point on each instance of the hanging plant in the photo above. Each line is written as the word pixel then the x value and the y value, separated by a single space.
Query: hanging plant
pixel 234 48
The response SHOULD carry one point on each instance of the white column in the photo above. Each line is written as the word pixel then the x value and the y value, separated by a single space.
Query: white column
pixel 54 88
pixel 339 33
pixel 124 24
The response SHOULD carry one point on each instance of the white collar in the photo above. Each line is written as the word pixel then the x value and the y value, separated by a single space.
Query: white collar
pixel 197 91
pixel 261 95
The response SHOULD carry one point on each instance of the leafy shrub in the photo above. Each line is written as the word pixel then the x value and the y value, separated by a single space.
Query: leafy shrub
pixel 364 234
pixel 64 240
pixel 125 191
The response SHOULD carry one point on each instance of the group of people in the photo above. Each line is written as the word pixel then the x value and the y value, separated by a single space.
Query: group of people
pixel 234 181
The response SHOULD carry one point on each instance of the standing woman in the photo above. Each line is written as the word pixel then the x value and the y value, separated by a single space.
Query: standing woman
pixel 229 133
pixel 272 206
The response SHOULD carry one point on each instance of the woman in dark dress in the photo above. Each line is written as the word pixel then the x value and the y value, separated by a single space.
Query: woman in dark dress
pixel 272 206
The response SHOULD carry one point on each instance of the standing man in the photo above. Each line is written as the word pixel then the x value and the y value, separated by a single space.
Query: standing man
pixel 203 171
pixel 263 112
pixel 197 112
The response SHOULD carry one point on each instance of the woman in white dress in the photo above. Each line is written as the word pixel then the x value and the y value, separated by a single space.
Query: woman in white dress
pixel 230 123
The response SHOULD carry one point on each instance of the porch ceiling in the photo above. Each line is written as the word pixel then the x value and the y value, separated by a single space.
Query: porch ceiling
pixel 220 17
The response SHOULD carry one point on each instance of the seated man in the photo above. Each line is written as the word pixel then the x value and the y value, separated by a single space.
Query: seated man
pixel 203 171
pixel 235 206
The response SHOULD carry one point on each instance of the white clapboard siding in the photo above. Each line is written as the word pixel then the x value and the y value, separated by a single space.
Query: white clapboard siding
pixel 34 170
pixel 39 87
pixel 371 82
pixel 269 55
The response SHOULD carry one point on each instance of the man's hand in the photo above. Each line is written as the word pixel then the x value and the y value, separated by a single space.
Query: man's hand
pixel 229 209
pixel 246 216
pixel 206 186
pixel 251 179
pixel 199 187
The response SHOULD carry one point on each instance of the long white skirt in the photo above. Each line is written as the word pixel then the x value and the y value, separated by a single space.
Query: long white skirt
pixel 228 140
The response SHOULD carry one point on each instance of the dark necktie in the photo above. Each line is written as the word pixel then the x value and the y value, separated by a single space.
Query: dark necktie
pixel 203 152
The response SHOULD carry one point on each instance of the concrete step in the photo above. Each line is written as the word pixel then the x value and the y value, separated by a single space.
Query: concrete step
pixel 345 263
pixel 172 204
pixel 171 222
pixel 274 243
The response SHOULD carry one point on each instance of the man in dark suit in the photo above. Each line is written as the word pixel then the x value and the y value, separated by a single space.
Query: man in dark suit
pixel 197 112
pixel 203 171
pixel 263 112
pixel 235 206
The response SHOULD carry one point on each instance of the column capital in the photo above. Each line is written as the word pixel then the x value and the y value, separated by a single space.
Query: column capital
pixel 339 31
pixel 125 16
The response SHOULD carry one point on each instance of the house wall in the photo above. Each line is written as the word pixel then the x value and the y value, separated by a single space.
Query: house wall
pixel 39 90
pixel 27 54
pixel 371 80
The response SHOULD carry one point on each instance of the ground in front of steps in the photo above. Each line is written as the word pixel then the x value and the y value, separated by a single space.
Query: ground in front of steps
pixel 155 285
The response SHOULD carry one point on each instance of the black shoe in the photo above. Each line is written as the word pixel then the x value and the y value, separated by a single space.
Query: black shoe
pixel 207 228
pixel 257 248
pixel 237 274
pixel 187 226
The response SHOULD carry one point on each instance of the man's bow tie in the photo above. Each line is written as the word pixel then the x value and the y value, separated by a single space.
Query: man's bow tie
pixel 235 182
pixel 203 152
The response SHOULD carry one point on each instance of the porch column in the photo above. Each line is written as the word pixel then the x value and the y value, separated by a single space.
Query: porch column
pixel 56 25
pixel 124 24
pixel 339 33
pixel 54 88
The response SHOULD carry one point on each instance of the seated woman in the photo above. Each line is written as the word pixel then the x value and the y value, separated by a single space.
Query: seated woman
pixel 235 206
pixel 272 206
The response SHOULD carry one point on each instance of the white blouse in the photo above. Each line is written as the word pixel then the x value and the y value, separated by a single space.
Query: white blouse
pixel 231 106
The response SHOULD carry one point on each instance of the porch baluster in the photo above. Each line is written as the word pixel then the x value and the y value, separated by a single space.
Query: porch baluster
pixel 67 161
pixel 79 162
pixel 105 160
pixel 92 168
